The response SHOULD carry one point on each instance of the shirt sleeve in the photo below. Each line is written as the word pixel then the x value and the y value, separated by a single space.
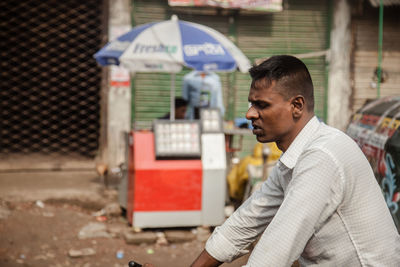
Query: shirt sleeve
pixel 230 240
pixel 219 99
pixel 312 196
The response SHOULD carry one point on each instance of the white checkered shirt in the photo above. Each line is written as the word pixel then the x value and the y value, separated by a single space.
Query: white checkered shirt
pixel 321 205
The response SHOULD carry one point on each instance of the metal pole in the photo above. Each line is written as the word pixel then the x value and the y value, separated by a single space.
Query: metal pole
pixel 380 40
pixel 232 88
pixel 172 103
pixel 327 61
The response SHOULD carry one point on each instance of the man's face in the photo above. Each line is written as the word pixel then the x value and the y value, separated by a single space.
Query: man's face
pixel 270 113
pixel 180 113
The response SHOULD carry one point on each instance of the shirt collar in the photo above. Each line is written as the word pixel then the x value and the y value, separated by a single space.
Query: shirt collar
pixel 291 155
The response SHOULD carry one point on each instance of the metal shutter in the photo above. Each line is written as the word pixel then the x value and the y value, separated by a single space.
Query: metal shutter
pixel 50 83
pixel 366 54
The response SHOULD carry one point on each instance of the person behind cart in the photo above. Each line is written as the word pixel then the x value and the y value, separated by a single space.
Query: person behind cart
pixel 180 109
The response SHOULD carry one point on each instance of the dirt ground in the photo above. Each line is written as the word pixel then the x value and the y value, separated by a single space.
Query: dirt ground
pixel 43 233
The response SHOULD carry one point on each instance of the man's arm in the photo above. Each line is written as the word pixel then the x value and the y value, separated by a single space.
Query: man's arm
pixel 232 239
pixel 205 260
pixel 312 196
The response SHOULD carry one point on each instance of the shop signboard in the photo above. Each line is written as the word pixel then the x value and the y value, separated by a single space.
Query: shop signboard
pixel 256 5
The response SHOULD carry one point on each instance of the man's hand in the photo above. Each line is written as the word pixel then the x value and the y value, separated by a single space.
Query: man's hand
pixel 205 260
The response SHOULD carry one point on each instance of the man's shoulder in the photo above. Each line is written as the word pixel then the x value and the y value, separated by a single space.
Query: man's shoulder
pixel 328 134
pixel 165 117
pixel 332 141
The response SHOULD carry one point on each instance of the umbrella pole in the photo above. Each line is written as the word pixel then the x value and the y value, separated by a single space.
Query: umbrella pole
pixel 172 111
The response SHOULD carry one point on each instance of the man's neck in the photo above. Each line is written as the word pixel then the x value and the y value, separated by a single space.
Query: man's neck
pixel 300 124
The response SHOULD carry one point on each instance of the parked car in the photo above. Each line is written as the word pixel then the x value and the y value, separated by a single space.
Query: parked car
pixel 375 127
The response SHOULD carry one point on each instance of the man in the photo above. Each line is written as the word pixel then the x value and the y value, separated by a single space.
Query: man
pixel 180 109
pixel 321 204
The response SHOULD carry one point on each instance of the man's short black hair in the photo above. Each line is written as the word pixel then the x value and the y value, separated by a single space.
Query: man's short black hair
pixel 290 74
pixel 180 102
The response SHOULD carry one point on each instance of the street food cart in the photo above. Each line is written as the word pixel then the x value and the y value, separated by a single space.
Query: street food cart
pixel 176 174
pixel 172 182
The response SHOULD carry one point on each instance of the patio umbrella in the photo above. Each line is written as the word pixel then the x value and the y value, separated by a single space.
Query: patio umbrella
pixel 169 45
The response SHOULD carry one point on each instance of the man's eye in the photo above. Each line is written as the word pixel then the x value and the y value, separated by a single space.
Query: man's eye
pixel 258 105
pixel 261 105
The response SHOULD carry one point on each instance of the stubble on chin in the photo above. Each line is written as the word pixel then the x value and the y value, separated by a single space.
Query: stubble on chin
pixel 260 139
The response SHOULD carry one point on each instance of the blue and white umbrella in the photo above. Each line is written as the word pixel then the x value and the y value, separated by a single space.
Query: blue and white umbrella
pixel 169 45
pixel 166 46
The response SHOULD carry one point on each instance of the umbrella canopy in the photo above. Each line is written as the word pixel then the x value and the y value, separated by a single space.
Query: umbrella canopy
pixel 166 46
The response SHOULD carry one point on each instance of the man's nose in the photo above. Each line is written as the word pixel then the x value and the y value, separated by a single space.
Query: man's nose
pixel 251 113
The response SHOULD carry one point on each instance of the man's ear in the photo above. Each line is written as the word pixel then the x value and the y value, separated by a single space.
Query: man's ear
pixel 298 105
